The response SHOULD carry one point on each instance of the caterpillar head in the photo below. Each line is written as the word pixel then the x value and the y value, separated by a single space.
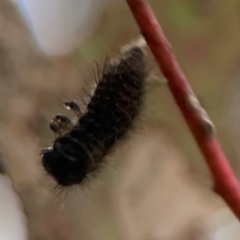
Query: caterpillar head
pixel 67 165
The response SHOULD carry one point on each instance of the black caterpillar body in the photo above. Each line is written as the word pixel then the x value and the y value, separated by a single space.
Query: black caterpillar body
pixel 109 114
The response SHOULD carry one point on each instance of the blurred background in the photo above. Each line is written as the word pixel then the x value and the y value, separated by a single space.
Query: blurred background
pixel 156 185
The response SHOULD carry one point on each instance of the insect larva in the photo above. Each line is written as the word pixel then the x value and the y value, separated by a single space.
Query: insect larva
pixel 81 148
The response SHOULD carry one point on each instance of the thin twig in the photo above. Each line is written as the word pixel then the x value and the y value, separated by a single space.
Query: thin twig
pixel 225 182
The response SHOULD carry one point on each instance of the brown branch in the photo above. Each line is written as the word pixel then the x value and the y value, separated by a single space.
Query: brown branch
pixel 225 182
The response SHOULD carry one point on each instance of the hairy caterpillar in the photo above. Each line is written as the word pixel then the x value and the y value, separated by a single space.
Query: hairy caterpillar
pixel 80 148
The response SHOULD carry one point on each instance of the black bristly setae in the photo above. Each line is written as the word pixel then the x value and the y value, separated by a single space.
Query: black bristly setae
pixel 81 148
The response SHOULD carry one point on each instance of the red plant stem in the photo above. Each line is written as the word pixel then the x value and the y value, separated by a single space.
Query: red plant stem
pixel 225 182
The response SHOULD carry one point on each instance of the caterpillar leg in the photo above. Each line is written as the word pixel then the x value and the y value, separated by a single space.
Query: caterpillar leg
pixel 71 105
pixel 60 124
